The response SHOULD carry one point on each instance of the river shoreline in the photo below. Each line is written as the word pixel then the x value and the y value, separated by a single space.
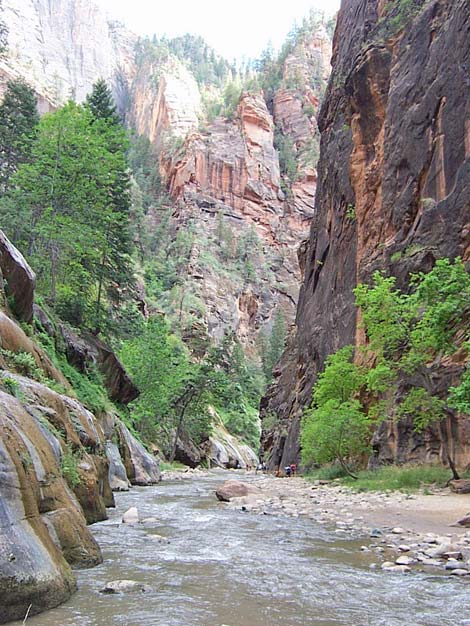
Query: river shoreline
pixel 405 531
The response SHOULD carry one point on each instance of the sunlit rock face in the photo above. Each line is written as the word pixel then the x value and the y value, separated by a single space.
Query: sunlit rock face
pixel 61 47
pixel 395 148
pixel 225 180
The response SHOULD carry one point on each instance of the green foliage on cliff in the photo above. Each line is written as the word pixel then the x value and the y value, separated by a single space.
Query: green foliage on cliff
pixel 18 120
pixel 407 333
pixel 177 390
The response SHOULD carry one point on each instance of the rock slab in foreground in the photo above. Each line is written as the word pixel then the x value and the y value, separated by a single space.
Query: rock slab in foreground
pixel 235 489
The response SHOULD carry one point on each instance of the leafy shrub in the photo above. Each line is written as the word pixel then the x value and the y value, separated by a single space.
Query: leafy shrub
pixel 69 467
pixel 11 386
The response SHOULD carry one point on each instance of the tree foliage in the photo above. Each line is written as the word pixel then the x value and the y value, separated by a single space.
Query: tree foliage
pixel 407 333
pixel 68 210
pixel 18 120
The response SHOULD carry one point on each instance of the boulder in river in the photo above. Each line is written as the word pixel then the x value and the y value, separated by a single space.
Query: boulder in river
pixel 235 489
pixel 131 516
pixel 124 586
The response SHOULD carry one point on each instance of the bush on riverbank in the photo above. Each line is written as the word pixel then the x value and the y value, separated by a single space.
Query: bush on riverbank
pixel 390 478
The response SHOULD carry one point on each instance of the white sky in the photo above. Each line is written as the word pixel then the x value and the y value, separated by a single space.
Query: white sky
pixel 235 29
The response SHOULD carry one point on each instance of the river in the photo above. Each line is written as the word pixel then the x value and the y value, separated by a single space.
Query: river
pixel 226 567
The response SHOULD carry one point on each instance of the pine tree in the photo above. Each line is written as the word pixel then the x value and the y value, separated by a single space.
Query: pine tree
pixel 101 102
pixel 18 119
pixel 115 267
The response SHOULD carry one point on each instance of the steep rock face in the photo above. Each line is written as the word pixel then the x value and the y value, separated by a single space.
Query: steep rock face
pixel 226 183
pixel 18 279
pixel 54 470
pixel 165 101
pixel 62 47
pixel 394 178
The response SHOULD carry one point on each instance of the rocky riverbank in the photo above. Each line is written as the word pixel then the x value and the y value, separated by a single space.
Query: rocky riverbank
pixel 404 531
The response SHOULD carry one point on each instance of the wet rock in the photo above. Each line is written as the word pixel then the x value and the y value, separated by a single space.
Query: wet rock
pixel 141 467
pixel 453 564
pixel 404 560
pixel 376 533
pixel 404 548
pixel 159 538
pixel 124 586
pixel 149 520
pixel 117 472
pixel 456 555
pixel 19 280
pixel 399 569
pixel 235 489
pixel 131 516
pixel 465 521
pixel 440 551
pixel 460 572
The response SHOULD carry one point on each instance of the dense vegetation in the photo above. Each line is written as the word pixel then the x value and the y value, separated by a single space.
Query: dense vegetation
pixel 79 214
pixel 394 375
pixel 82 199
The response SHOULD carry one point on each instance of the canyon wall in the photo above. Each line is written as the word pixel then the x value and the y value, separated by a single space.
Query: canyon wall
pixel 61 47
pixel 224 180
pixel 393 194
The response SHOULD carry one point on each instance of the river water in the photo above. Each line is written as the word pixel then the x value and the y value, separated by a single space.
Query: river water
pixel 231 568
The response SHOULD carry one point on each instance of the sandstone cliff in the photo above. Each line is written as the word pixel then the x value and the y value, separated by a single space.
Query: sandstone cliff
pixel 58 461
pixel 61 47
pixel 224 178
pixel 393 193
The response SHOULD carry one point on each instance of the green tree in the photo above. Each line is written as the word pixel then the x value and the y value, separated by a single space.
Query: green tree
pixel 18 120
pixel 115 266
pixel 336 427
pixel 101 102
pixel 273 345
pixel 62 211
pixel 173 389
pixel 407 331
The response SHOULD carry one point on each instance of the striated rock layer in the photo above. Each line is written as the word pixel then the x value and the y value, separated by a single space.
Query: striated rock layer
pixel 394 182
pixel 58 464
pixel 61 47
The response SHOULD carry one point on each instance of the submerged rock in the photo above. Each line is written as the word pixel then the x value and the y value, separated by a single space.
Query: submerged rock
pixel 124 586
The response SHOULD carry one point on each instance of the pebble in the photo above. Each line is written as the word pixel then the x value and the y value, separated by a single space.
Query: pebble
pixel 398 531
pixel 460 572
pixel 453 564
pixel 404 548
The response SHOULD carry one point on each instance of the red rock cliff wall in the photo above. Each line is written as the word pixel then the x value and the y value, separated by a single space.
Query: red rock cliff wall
pixel 395 148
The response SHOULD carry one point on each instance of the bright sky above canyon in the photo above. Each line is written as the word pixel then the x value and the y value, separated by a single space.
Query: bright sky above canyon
pixel 235 29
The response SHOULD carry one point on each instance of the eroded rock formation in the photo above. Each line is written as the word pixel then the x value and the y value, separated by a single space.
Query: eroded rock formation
pixel 54 468
pixel 394 181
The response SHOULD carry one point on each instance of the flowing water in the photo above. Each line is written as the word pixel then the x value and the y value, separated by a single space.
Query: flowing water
pixel 226 567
